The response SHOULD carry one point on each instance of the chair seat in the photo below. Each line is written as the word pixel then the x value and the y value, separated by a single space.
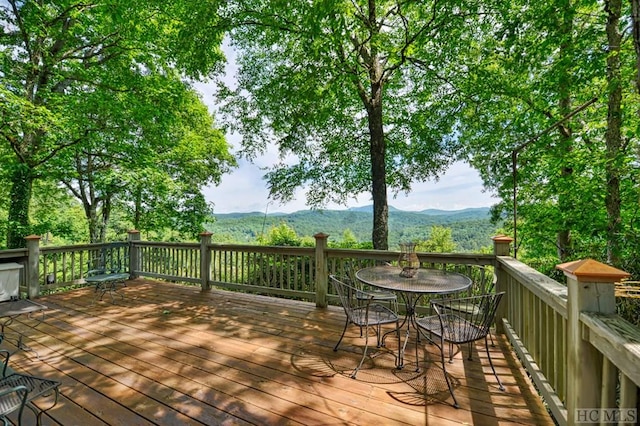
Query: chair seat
pixel 455 329
pixel 375 295
pixel 13 388
pixel 377 314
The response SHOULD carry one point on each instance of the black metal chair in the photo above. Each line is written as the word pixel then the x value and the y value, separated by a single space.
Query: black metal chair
pixel 458 321
pixel 365 293
pixel 483 281
pixel 361 311
pixel 18 390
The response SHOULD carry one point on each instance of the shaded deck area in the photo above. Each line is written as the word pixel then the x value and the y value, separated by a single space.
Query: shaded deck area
pixel 168 354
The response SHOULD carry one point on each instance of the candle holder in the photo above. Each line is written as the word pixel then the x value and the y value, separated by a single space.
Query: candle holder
pixel 408 260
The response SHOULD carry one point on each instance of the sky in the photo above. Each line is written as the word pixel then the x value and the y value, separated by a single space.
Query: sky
pixel 244 190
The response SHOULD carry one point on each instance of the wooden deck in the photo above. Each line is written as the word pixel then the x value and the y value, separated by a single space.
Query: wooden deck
pixel 173 355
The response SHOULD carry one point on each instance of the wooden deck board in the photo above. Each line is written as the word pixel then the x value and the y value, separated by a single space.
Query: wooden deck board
pixel 173 355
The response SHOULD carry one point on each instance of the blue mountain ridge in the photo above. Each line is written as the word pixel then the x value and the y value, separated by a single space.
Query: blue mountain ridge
pixel 472 211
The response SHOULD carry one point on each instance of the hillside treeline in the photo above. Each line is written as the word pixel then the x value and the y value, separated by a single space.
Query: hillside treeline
pixel 471 230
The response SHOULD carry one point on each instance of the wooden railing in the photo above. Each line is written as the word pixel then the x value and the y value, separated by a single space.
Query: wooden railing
pixel 178 262
pixel 535 321
pixel 583 359
pixel 277 271
pixel 68 265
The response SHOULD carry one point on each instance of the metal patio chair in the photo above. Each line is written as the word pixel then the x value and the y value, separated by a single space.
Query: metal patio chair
pixel 366 292
pixel 363 312
pixel 483 281
pixel 457 326
pixel 17 391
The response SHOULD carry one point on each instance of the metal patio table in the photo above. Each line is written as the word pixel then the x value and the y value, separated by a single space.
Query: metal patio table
pixel 425 281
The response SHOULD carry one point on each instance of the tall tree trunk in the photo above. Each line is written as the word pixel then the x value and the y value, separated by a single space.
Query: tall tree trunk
pixel 378 151
pixel 105 214
pixel 18 219
pixel 565 205
pixel 137 206
pixel 380 230
pixel 635 25
pixel 613 138
pixel 91 212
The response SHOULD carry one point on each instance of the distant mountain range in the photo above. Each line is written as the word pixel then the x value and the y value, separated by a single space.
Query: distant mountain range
pixel 471 228
pixel 474 211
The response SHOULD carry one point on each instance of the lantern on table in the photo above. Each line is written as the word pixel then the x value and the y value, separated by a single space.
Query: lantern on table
pixel 408 260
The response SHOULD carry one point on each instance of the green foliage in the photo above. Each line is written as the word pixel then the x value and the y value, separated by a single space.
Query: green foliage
pixel 354 94
pixel 57 217
pixel 282 235
pixel 530 65
pixel 471 230
pixel 94 95
pixel 439 241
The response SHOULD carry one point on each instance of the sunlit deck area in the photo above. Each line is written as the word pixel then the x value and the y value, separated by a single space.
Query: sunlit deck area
pixel 171 354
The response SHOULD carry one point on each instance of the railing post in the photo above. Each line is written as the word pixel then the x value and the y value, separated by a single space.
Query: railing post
pixel 590 288
pixel 32 273
pixel 134 254
pixel 501 247
pixel 322 274
pixel 205 260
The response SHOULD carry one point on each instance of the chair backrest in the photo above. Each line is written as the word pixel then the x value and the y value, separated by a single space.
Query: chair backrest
pixel 347 294
pixel 483 278
pixel 107 259
pixel 11 399
pixel 470 317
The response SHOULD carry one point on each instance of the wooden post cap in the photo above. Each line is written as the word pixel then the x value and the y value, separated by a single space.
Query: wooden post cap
pixel 589 270
pixel 502 239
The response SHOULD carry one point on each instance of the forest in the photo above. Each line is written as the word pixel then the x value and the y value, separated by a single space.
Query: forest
pixel 470 229
pixel 102 130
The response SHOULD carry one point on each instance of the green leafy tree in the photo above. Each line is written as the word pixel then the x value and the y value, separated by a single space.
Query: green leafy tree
pixel 439 241
pixel 152 159
pixel 355 94
pixel 282 235
pixel 573 180
pixel 53 56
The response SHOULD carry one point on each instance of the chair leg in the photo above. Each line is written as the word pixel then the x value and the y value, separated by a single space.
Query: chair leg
pixel 346 324
pixel 416 345
pixel 446 376
pixel 364 354
pixel 486 345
